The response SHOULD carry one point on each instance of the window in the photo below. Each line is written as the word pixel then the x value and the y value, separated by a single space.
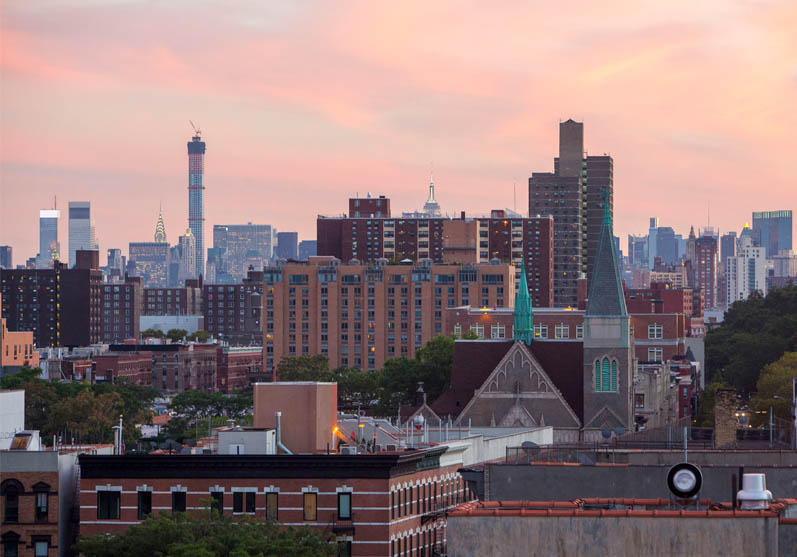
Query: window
pixel 41 506
pixel 639 400
pixel 11 490
pixel 10 544
pixel 310 506
pixel 541 331
pixel 108 505
pixel 562 331
pixel 498 331
pixel 272 505
pixel 243 501
pixel 655 331
pixel 478 329
pixel 458 330
pixel 344 548
pixel 654 354
pixel 144 504
pixel 344 505
pixel 579 331
pixel 178 501
pixel 605 375
pixel 217 501
pixel 41 548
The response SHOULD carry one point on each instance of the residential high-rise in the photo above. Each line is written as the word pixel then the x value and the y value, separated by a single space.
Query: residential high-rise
pixel 187 269
pixel 49 248
pixel 121 310
pixel 773 230
pixel 288 245
pixel 573 195
pixel 196 187
pixel 150 261
pixel 369 207
pixel 727 246
pixel 81 230
pixel 6 257
pixel 746 272
pixel 705 268
pixel 241 245
pixel 232 311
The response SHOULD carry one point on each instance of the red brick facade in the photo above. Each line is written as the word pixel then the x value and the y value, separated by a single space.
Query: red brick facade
pixel 22 525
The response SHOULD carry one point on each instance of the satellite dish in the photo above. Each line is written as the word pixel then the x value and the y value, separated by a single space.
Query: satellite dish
pixel 606 433
pixel 619 430
pixel 684 480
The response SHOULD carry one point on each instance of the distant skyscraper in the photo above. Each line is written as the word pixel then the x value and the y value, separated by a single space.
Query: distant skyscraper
pixel 706 255
pixel 81 231
pixel 746 272
pixel 49 248
pixel 287 245
pixel 150 261
pixel 773 230
pixel 573 195
pixel 637 251
pixel 187 257
pixel 667 245
pixel 431 207
pixel 307 249
pixel 114 270
pixel 241 245
pixel 196 187
pixel 6 257
pixel 727 246
pixel 653 242
pixel 160 228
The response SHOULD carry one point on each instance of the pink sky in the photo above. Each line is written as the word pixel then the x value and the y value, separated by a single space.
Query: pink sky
pixel 304 104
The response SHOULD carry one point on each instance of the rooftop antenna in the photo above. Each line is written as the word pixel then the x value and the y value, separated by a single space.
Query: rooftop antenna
pixel 197 131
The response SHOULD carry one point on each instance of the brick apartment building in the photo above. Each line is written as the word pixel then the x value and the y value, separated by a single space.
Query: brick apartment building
pixel 121 310
pixel 61 306
pixel 178 367
pixel 509 238
pixel 185 300
pixel 16 348
pixel 238 367
pixel 361 315
pixel 381 504
pixel 131 366
pixel 707 269
pixel 232 311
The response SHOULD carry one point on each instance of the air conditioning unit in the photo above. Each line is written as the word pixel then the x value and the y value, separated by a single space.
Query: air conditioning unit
pixel 348 449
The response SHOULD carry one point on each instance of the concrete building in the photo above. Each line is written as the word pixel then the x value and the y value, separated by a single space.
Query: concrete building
pixel 239 246
pixel 288 245
pixel 81 229
pixel 361 315
pixel 150 261
pixel 6 257
pixel 196 203
pixel 61 306
pixel 12 416
pixel 617 526
pixel 746 272
pixel 49 248
pixel 573 195
pixel 121 310
pixel 772 230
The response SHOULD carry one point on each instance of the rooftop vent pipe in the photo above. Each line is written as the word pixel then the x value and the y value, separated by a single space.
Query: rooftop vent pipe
pixel 285 449
pixel 754 494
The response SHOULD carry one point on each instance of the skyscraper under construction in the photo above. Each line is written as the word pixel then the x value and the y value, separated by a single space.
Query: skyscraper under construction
pixel 196 188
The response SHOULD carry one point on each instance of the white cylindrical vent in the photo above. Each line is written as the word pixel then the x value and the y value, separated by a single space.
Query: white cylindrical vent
pixel 754 494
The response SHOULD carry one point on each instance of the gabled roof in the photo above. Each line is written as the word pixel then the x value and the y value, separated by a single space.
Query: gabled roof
pixel 606 296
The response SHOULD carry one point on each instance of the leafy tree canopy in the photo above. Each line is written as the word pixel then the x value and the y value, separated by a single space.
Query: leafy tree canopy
pixel 152 333
pixel 199 336
pixel 775 387
pixel 206 533
pixel 176 335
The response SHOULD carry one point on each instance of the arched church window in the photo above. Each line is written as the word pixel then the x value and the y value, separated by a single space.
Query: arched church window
pixel 597 375
pixel 605 374
pixel 614 375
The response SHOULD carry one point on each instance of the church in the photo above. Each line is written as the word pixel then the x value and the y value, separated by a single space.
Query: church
pixel 582 387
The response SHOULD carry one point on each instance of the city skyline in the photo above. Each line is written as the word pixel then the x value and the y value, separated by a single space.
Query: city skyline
pixel 380 108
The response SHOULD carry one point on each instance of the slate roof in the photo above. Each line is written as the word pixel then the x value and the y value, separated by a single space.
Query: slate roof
pixel 606 287
pixel 564 364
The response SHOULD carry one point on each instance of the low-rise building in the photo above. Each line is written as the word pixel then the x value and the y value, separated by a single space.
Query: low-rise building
pixel 239 367
pixel 178 367
pixel 16 348
pixel 135 367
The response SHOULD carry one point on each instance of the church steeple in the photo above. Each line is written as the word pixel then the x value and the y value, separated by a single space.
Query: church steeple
pixel 523 328
pixel 606 297
pixel 160 228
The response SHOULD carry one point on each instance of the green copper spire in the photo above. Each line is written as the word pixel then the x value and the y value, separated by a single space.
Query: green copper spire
pixel 524 319
pixel 606 297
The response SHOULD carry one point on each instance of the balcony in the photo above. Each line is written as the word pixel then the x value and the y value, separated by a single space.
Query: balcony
pixel 343 525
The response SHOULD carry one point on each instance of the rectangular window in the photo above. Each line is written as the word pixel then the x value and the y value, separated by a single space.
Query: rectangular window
pixel 310 506
pixel 41 549
pixel 217 501
pixel 344 506
pixel 144 504
pixel 178 501
pixel 639 400
pixel 272 505
pixel 579 331
pixel 655 331
pixel 41 507
pixel 243 501
pixel 498 331
pixel 541 331
pixel 478 329
pixel 108 505
pixel 654 354
pixel 562 331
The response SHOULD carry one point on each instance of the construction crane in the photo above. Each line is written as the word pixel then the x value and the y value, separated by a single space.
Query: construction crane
pixel 197 131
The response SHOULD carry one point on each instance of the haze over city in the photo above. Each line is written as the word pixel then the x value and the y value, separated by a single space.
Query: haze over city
pixel 317 102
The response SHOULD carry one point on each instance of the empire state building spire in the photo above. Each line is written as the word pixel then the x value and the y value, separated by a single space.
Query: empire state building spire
pixel 431 207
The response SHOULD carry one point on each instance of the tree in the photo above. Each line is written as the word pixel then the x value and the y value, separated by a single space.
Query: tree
pixel 398 381
pixel 437 357
pixel 470 334
pixel 194 404
pixel 199 336
pixel 775 387
pixel 152 333
pixel 206 533
pixel 176 335
pixel 705 414
pixel 356 387
pixel 304 368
